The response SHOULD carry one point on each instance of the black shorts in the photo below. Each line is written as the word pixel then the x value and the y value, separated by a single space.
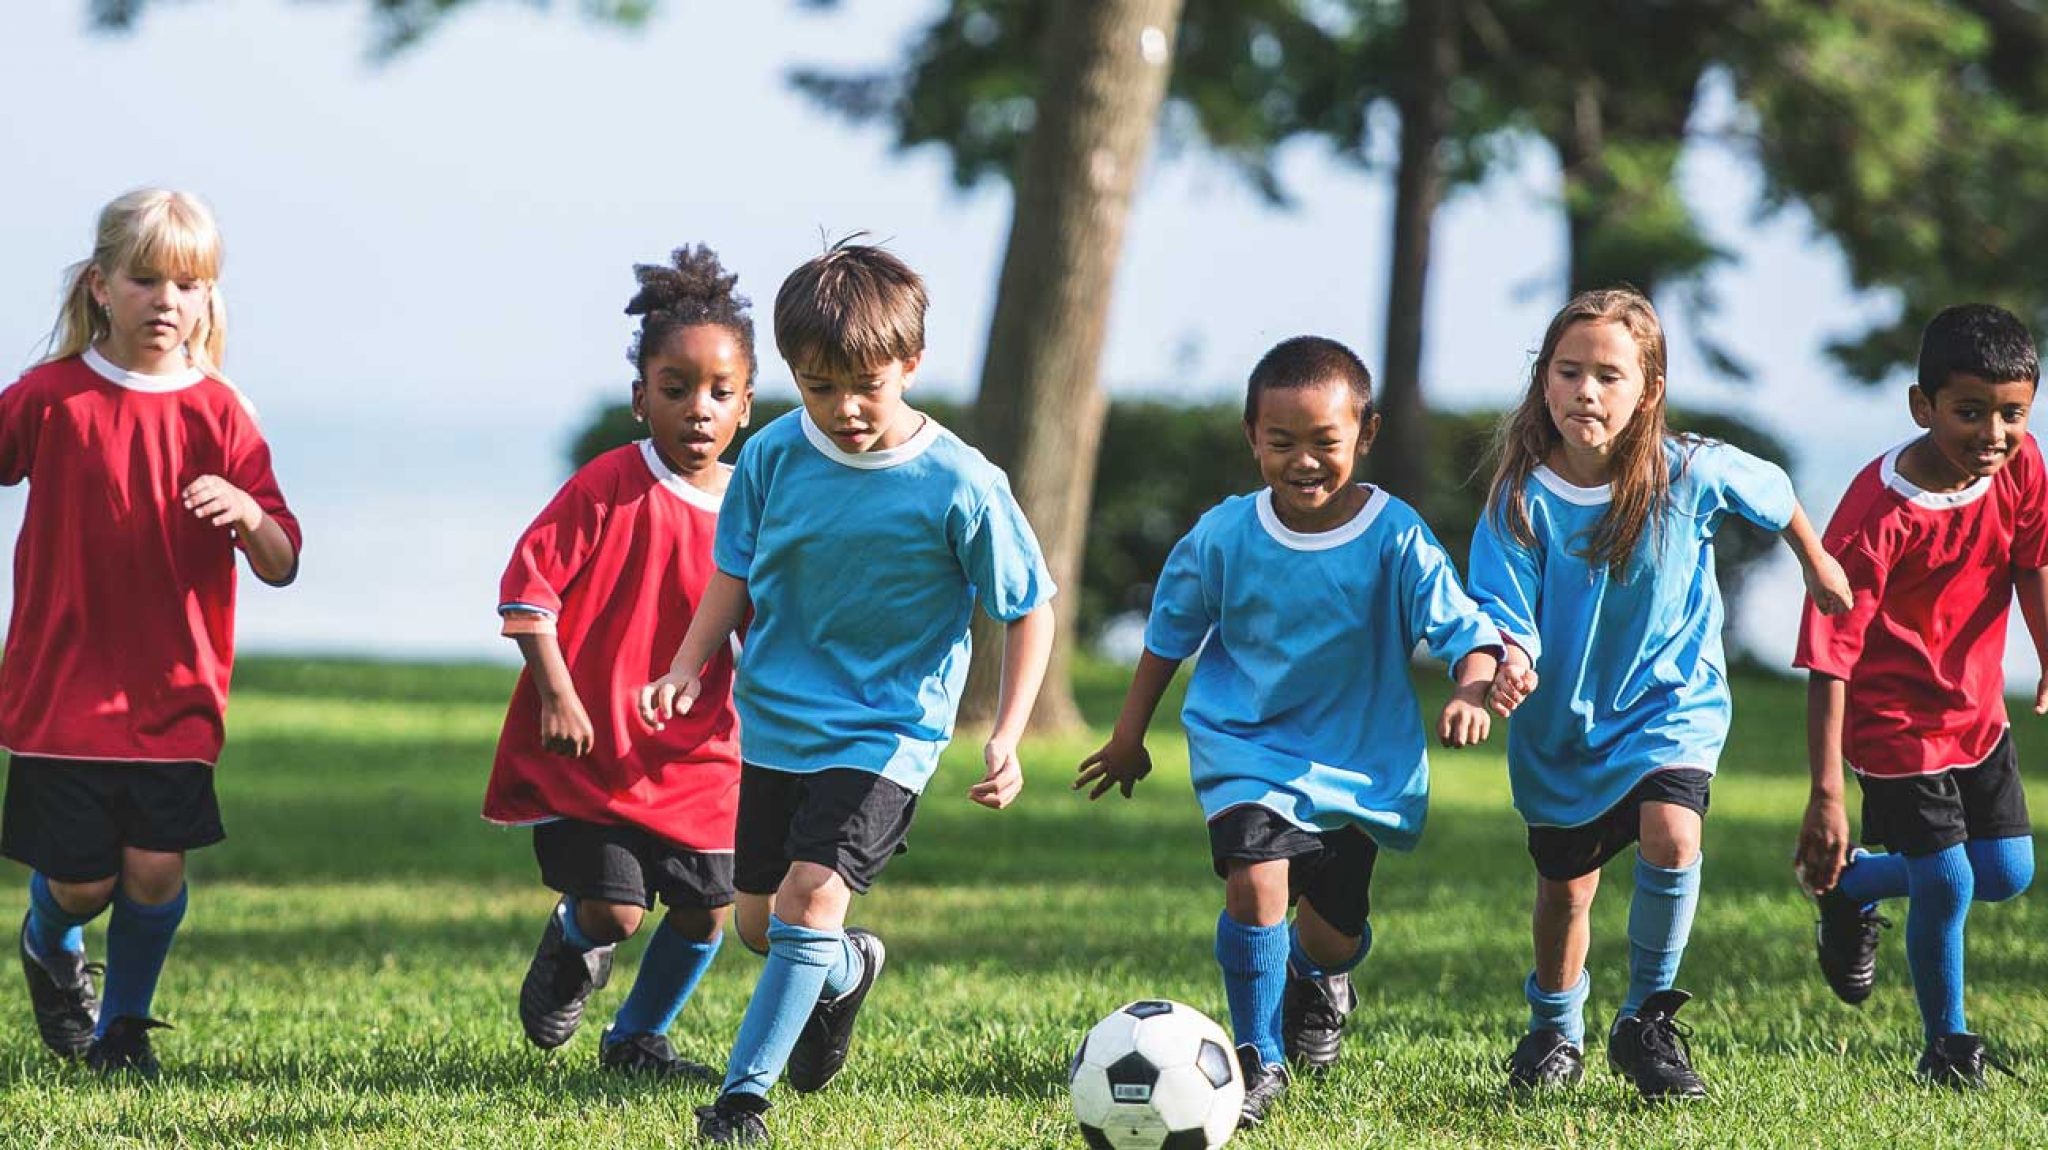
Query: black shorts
pixel 849 820
pixel 1565 853
pixel 1331 869
pixel 629 865
pixel 1922 814
pixel 69 818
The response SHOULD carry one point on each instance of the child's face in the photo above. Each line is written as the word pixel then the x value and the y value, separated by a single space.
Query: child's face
pixel 1307 441
pixel 1594 385
pixel 150 315
pixel 1974 425
pixel 694 397
pixel 860 410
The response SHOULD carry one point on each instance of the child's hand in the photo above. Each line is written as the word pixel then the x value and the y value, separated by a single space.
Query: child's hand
pixel 564 727
pixel 2041 696
pixel 1511 686
pixel 671 695
pixel 1828 586
pixel 1823 844
pixel 998 788
pixel 1115 765
pixel 1465 721
pixel 221 504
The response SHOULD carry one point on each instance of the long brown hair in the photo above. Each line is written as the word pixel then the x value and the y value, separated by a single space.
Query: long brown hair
pixel 1639 476
pixel 155 231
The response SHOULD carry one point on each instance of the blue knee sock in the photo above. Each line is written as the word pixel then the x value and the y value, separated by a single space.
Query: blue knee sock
pixel 1302 966
pixel 1869 878
pixel 846 969
pixel 799 960
pixel 670 970
pixel 1254 962
pixel 51 928
pixel 1563 1011
pixel 1659 923
pixel 1939 905
pixel 138 940
pixel 2002 867
pixel 572 931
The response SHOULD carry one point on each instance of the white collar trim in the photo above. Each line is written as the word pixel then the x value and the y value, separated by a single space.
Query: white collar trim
pixel 1888 471
pixel 902 453
pixel 1570 492
pixel 677 486
pixel 1336 536
pixel 136 381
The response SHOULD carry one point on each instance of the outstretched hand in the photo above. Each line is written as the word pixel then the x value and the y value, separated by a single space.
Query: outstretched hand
pixel 1118 765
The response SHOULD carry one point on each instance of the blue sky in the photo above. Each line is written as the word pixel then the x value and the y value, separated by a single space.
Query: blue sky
pixel 427 259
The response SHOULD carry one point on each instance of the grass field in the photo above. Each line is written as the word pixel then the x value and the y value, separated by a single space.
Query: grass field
pixel 348 972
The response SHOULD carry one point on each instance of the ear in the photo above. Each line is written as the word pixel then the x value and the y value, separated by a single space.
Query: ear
pixel 1922 406
pixel 910 369
pixel 639 401
pixel 1251 438
pixel 747 406
pixel 96 284
pixel 1653 393
pixel 1368 433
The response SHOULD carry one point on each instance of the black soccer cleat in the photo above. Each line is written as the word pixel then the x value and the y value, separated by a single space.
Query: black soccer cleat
pixel 821 1046
pixel 1649 1050
pixel 650 1055
pixel 1312 1014
pixel 734 1120
pixel 124 1048
pixel 1846 940
pixel 559 981
pixel 1955 1061
pixel 1545 1060
pixel 61 992
pixel 1264 1083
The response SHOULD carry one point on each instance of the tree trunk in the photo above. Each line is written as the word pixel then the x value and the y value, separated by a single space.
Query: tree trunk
pixel 1040 411
pixel 1400 460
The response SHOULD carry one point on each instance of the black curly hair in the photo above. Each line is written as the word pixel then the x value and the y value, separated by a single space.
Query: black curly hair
pixel 691 290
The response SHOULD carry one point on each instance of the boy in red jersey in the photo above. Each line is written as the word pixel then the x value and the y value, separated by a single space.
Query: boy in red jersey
pixel 600 590
pixel 1907 688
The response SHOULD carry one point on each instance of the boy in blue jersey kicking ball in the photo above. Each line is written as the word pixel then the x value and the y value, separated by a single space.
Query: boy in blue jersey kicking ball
pixel 860 534
pixel 1305 601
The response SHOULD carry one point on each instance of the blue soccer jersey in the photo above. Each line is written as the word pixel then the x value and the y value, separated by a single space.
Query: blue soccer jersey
pixel 864 570
pixel 1300 700
pixel 1632 678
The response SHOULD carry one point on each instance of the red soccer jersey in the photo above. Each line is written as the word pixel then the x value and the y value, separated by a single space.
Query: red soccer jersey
pixel 1923 650
pixel 122 638
pixel 618 561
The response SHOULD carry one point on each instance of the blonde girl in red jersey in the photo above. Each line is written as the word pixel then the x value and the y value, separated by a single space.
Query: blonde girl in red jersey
pixel 146 475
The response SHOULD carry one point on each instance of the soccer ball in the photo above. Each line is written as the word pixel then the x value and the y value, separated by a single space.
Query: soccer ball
pixel 1156 1075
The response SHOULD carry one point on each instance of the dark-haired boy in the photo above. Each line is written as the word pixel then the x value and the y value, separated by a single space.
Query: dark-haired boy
pixel 861 533
pixel 1907 688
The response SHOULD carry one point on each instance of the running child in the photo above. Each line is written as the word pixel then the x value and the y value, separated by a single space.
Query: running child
pixel 1909 687
pixel 147 474
pixel 861 533
pixel 600 589
pixel 1304 602
pixel 1595 558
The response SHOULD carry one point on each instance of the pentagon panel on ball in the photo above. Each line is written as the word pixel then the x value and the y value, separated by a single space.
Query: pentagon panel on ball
pixel 1156 1075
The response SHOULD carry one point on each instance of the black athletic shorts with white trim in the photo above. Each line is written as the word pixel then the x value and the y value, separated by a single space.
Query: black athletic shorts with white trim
pixel 1565 853
pixel 1924 814
pixel 630 865
pixel 70 818
pixel 850 821
pixel 1331 869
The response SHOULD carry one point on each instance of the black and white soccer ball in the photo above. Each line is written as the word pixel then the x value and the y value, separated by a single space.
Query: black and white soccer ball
pixel 1156 1075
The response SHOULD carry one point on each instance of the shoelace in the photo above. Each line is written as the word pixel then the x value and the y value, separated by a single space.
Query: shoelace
pixel 1663 1039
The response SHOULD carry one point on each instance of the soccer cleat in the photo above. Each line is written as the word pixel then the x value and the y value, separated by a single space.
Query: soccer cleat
pixel 1649 1050
pixel 124 1048
pixel 1264 1083
pixel 734 1120
pixel 649 1054
pixel 1545 1060
pixel 1846 940
pixel 1957 1062
pixel 1312 1019
pixel 821 1046
pixel 558 983
pixel 61 992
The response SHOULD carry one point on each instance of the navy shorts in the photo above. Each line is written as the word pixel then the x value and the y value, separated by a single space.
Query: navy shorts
pixel 1566 853
pixel 850 821
pixel 629 865
pixel 1923 814
pixel 1331 869
pixel 69 818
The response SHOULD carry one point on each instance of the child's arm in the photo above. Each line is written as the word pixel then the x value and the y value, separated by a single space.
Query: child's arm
pixel 1825 582
pixel 719 613
pixel 1824 833
pixel 1464 721
pixel 565 727
pixel 221 504
pixel 2032 585
pixel 1027 644
pixel 1123 760
pixel 1514 681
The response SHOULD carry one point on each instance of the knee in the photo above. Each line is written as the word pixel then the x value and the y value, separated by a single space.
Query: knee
pixel 1569 899
pixel 152 878
pixel 608 922
pixel 1255 893
pixel 83 898
pixel 696 923
pixel 754 936
pixel 2004 870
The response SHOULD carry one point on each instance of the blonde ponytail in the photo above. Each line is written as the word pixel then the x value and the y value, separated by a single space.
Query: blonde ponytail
pixel 156 232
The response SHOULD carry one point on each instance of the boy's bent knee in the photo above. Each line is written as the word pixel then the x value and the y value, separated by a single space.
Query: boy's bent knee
pixel 608 922
pixel 84 898
pixel 1255 892
pixel 152 877
pixel 696 923
pixel 1669 835
pixel 814 896
pixel 2003 868
pixel 1568 898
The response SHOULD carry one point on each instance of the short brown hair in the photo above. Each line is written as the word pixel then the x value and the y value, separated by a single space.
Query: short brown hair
pixel 854 308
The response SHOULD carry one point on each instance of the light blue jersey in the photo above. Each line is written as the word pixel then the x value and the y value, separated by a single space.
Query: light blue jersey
pixel 1300 700
pixel 864 570
pixel 1632 678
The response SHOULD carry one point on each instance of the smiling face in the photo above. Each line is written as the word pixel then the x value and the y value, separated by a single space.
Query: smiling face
pixel 150 316
pixel 861 410
pixel 1973 428
pixel 1307 441
pixel 1593 387
pixel 695 398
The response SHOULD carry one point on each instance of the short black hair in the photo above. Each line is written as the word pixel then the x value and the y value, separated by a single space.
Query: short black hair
pixel 1308 361
pixel 1977 339
pixel 692 289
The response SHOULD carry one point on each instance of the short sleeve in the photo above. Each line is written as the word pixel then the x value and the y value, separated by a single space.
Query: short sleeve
pixel 1439 611
pixel 2030 522
pixel 249 469
pixel 739 516
pixel 553 550
pixel 1001 557
pixel 1832 644
pixel 21 421
pixel 1505 578
pixel 1183 608
pixel 1732 480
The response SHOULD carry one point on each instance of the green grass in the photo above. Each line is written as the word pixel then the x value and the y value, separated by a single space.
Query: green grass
pixel 348 972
